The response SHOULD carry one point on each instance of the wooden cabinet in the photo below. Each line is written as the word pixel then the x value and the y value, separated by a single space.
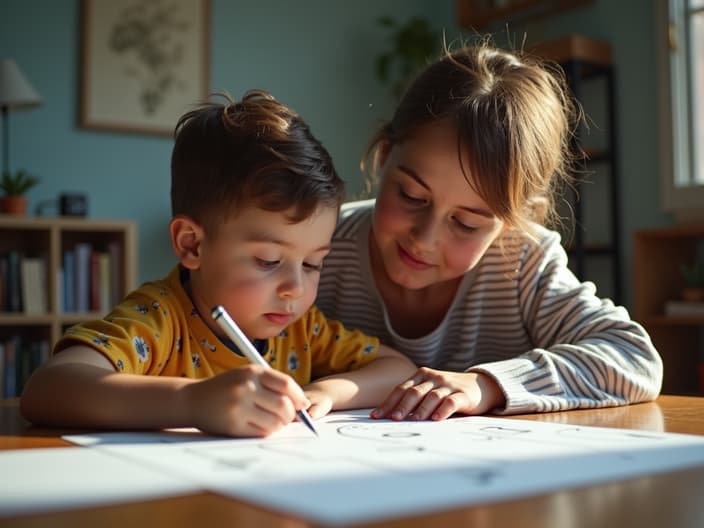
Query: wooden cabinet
pixel 658 255
pixel 480 14
pixel 33 308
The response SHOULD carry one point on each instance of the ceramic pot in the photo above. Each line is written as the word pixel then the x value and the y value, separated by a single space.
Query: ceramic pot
pixel 16 205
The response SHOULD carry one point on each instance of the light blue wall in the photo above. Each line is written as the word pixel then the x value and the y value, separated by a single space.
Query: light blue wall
pixel 315 55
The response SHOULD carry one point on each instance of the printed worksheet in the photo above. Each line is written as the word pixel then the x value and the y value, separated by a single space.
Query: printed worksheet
pixel 360 469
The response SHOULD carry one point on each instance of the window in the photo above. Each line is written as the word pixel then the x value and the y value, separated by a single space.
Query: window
pixel 681 68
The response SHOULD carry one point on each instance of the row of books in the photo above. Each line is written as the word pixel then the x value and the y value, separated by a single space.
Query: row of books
pixel 23 285
pixel 89 280
pixel 19 357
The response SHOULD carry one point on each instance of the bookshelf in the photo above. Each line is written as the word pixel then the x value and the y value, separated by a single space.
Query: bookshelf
pixel 109 272
pixel 658 255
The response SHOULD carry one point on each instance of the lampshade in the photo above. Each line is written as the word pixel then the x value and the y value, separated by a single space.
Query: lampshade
pixel 15 90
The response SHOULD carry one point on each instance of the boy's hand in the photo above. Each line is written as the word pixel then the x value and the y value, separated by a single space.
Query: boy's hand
pixel 248 401
pixel 436 395
pixel 321 402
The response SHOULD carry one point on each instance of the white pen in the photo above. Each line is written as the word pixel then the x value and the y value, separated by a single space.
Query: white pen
pixel 247 348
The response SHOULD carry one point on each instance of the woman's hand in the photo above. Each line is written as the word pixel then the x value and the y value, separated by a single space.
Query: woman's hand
pixel 437 394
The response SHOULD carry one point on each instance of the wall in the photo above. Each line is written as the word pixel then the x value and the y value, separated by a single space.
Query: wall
pixel 628 25
pixel 315 55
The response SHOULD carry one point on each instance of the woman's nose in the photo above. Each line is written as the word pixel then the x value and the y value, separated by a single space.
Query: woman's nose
pixel 424 230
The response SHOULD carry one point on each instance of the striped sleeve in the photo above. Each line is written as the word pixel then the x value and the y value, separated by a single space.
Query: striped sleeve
pixel 586 352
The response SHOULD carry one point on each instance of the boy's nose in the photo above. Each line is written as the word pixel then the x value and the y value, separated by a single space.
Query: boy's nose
pixel 292 284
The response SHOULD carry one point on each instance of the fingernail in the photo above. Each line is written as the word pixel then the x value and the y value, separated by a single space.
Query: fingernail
pixel 397 415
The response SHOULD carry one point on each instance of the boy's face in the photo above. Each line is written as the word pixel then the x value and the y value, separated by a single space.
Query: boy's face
pixel 262 269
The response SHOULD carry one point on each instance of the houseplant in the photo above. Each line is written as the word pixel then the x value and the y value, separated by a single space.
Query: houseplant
pixel 413 44
pixel 14 186
pixel 693 277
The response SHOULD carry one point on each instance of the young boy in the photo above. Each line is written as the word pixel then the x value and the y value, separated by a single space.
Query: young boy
pixel 255 200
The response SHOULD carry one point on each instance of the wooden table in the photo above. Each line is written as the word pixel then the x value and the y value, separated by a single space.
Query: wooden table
pixel 669 500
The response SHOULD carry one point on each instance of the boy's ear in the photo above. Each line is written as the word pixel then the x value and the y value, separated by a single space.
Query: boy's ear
pixel 186 238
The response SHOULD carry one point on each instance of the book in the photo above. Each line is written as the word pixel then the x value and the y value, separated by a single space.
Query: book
pixel 10 374
pixel 33 285
pixel 2 369
pixel 115 251
pixel 69 274
pixel 14 291
pixel 104 286
pixel 684 309
pixel 82 277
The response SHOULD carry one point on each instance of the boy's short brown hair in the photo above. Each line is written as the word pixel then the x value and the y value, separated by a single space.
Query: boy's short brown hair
pixel 253 152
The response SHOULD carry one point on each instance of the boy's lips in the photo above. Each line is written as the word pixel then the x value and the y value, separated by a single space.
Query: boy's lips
pixel 412 261
pixel 280 318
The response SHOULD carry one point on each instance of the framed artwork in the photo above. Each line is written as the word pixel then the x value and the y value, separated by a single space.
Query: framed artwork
pixel 143 63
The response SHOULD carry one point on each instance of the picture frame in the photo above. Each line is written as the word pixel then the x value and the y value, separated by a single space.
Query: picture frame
pixel 143 64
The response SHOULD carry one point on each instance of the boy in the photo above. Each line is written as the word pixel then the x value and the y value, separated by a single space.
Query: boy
pixel 255 200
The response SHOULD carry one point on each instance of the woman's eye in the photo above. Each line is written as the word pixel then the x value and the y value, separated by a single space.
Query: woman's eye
pixel 411 199
pixel 267 264
pixel 463 227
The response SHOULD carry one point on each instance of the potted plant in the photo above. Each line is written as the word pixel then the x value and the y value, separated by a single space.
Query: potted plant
pixel 693 276
pixel 14 186
pixel 413 44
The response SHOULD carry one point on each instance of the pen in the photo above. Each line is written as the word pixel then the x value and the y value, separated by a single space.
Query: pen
pixel 247 348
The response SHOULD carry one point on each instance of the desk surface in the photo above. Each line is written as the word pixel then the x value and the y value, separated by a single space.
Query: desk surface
pixel 672 499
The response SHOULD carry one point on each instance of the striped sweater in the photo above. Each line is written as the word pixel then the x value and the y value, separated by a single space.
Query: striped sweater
pixel 519 316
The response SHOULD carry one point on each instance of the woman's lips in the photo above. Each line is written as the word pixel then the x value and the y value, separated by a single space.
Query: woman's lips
pixel 411 261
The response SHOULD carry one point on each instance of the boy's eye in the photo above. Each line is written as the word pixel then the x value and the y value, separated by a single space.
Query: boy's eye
pixel 312 267
pixel 266 264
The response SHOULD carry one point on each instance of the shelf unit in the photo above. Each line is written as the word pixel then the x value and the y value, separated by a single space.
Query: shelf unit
pixel 593 237
pixel 658 255
pixel 479 14
pixel 49 238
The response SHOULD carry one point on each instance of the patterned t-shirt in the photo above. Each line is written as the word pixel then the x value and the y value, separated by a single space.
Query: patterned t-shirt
pixel 156 330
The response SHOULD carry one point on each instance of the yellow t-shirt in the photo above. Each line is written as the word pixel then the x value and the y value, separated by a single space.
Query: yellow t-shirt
pixel 156 330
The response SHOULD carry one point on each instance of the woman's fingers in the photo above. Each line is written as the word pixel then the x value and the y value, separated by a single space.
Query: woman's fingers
pixel 430 403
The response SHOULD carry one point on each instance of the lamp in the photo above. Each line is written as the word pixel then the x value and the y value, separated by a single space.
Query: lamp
pixel 15 92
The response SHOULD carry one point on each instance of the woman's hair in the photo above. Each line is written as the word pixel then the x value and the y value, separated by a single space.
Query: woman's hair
pixel 514 118
pixel 255 152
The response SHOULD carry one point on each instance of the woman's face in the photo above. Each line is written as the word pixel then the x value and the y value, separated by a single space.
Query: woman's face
pixel 429 225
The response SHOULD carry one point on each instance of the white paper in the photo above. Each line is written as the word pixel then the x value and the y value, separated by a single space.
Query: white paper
pixel 39 480
pixel 363 470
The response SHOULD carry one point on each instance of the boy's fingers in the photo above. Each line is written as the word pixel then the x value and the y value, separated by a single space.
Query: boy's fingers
pixel 284 384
